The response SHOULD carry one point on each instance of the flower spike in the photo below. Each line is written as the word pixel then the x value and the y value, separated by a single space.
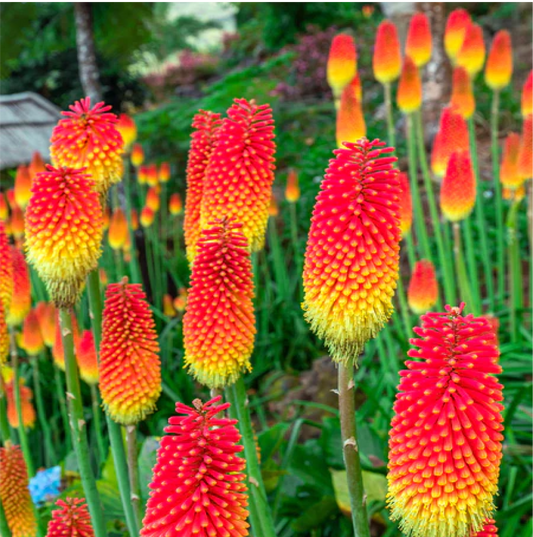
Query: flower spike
pixel 127 129
pixel 342 63
pixel 423 291
pixel 351 124
pixel 6 270
pixel 525 156
pixel 499 68
pixel 458 189
pixel 462 100
pixel 72 519
pixel 527 96
pixel 457 25
pixel 471 56
pixel 387 59
pixel 21 300
pixel 86 358
pixel 418 44
pixel 409 97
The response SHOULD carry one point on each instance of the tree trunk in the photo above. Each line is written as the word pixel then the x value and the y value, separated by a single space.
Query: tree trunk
pixel 89 74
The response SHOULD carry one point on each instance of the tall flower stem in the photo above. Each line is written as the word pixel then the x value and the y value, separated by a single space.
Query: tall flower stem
pixel 296 247
pixel 391 136
pixel 411 252
pixel 133 469
pixel 60 394
pixel 115 435
pixel 350 448
pixel 419 221
pixel 49 452
pixel 4 423
pixel 480 216
pixel 515 273
pixel 472 269
pixel 77 426
pixel 464 284
pixel 404 308
pixel 259 508
pixel 98 424
pixel 444 258
pixel 23 436
pixel 495 150
pixel 135 271
pixel 4 528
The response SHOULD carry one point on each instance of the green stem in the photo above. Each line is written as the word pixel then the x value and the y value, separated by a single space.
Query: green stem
pixel 419 221
pixel 18 404
pixel 49 451
pixel 472 269
pixel 60 393
pixel 480 216
pixel 497 194
pixel 296 247
pixel 4 528
pixel 515 275
pixel 280 268
pixel 464 284
pixel 255 483
pixel 350 448
pixel 404 308
pixel 115 435
pixel 77 426
pixel 390 120
pixel 98 424
pixel 133 471
pixel 4 422
pixel 134 261
pixel 411 252
pixel 444 258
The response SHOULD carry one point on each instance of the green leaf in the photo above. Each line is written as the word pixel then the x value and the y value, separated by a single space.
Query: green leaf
pixel 270 440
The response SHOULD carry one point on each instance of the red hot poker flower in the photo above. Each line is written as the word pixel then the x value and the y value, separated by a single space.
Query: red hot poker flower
pixel 4 336
pixel 6 270
pixel 137 158
pixel 471 56
pixel 462 100
pixel 351 260
pixel 489 529
pixel 418 44
pixel 458 189
pixel 37 165
pixel 205 125
pixel 292 190
pixel 46 314
pixel 525 157
pixel 72 519
pixel 31 338
pixel 118 229
pixel 127 129
pixel 219 324
pixel 409 97
pixel 198 481
pixel 387 59
pixel 87 359
pixel 406 204
pixel 456 27
pixel 22 186
pixel 130 371
pixel 28 411
pixel 21 300
pixel 351 124
pixel 509 173
pixel 500 61
pixel 175 205
pixel 164 172
pixel 445 438
pixel 527 96
pixel 423 291
pixel 342 63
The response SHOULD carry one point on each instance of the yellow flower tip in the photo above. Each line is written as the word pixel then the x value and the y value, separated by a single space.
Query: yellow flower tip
pixel 458 189
pixel 418 44
pixel 423 291
pixel 175 205
pixel 147 217
pixel 137 158
pixel 86 358
pixel 168 306
pixel 164 172
pixel 64 226
pixel 180 302
pixel 352 255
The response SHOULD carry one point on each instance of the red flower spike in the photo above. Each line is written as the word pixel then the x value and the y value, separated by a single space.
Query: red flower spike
pixel 127 129
pixel 152 177
pixel 58 353
pixel 205 125
pixel 21 299
pixel 4 337
pixel 37 165
pixel 72 519
pixel 292 190
pixel 175 205
pixel 164 172
pixel 445 438
pixel 147 217
pixel 88 138
pixel 509 175
pixel 219 324
pixel 351 260
pixel 137 158
pixel 118 229
pixel 527 96
pixel 406 204
pixel 462 100
pixel 458 189
pixel 14 492
pixel 134 220
pixel 273 209
pixel 198 484
pixel 489 529
pixel 22 186
pixel 418 44
pixel 87 359
pixel 387 59
pixel 409 97
pixel 130 370
pixel 6 270
pixel 499 67
pixel 17 222
pixel 351 124
pixel 423 291
pixel 525 157
pixel 28 411
pixel 152 199
pixel 458 23
pixel 46 314
pixel 240 173
pixel 471 56
pixel 342 63
pixel 64 226
pixel 31 338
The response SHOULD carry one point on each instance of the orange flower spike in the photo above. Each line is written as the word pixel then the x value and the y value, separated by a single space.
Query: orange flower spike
pixel 509 174
pixel 37 165
pixel 127 129
pixel 489 529
pixel 17 222
pixel 130 370
pixel 137 158
pixel 88 138
pixel 46 314
pixel 152 199
pixel 445 439
pixel 423 291
pixel 452 137
pixel 387 60
pixel 64 226
pixel 4 209
pixel 57 350
pixel 72 519
pixel 175 205
pixel 409 96
pixel 351 124
pixel 205 125
pixel 180 302
pixel 462 100
pixel 273 209
pixel 458 189
pixel 6 270
pixel 240 173
pixel 32 339
pixel 164 172
pixel 418 44
pixel 168 306
pixel 21 299
pixel 134 220
pixel 525 157
pixel 118 229
pixel 142 175
pixel 219 324
pixel 456 27
pixel 152 178
pixel 471 56
pixel 352 255
pixel 28 411
pixel 292 190
pixel 342 63
pixel 499 68
pixel 86 358
pixel 527 96
pixel 406 204
pixel 14 492
pixel 22 186
pixel 199 467
pixel 147 217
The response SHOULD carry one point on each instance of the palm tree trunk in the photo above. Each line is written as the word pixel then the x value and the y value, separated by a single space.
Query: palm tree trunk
pixel 89 74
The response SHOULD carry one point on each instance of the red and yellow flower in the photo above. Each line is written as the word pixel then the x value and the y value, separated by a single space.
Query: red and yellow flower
pixel 87 358
pixel 137 158
pixel 457 25
pixel 164 172
pixel 152 176
pixel 21 299
pixel 423 291
pixel 525 157
pixel 499 66
pixel 127 129
pixel 118 229
pixel 147 217
pixel 31 339
pixel 406 204
pixel 351 261
pixel 292 190
pixel 130 371
pixel 509 174
pixel 409 96
pixel 351 124
pixel 489 529
pixel 4 209
pixel 342 63
pixel 175 205
pixel 462 100
pixel 418 44
pixel 458 189
pixel 471 55
pixel 152 199
pixel 273 209
pixel 6 270
pixel 527 96
pixel 445 438
pixel 37 165
pixel 219 324
pixel 22 186
pixel 26 396
pixel 17 222
pixel 199 467
pixel 72 519
pixel 46 314
pixel 387 59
